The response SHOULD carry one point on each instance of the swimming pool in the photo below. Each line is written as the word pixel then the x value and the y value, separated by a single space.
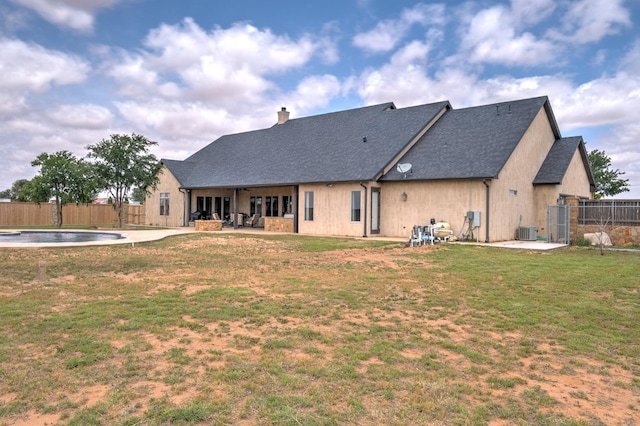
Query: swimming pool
pixel 56 236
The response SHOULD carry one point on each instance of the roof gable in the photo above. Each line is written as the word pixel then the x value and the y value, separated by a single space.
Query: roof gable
pixel 181 170
pixel 471 143
pixel 559 158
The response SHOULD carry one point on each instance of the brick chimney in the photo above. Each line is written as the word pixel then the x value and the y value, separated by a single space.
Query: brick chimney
pixel 283 116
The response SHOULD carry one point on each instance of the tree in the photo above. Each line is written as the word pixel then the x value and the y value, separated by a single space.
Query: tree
pixel 65 178
pixel 139 195
pixel 122 163
pixel 608 181
pixel 16 192
pixel 34 191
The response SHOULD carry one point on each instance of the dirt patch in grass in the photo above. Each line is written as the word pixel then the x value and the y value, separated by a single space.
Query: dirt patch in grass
pixel 251 330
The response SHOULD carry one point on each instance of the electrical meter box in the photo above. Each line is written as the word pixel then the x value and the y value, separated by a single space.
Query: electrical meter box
pixel 474 217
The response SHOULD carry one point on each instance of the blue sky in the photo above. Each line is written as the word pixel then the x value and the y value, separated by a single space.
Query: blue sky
pixel 183 73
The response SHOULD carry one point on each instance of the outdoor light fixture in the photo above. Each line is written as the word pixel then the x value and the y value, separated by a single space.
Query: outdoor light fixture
pixel 403 196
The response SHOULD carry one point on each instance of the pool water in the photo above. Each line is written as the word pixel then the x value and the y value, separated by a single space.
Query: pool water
pixel 56 237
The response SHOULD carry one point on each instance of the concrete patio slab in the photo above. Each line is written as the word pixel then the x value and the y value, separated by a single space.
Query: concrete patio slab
pixel 525 245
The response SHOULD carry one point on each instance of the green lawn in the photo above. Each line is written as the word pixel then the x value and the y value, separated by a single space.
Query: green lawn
pixel 224 329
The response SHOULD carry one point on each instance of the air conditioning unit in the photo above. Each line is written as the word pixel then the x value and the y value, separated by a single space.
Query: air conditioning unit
pixel 527 233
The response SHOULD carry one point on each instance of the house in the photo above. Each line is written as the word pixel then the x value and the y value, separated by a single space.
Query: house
pixel 380 170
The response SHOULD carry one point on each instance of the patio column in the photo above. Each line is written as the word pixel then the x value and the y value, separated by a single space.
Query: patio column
pixel 235 208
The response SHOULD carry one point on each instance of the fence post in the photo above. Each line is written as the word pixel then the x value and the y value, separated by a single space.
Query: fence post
pixel 572 218
pixel 613 213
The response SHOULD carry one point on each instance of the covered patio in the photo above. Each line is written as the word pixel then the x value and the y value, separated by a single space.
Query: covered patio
pixel 269 208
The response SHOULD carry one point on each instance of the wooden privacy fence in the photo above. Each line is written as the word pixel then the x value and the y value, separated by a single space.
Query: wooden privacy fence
pixel 620 219
pixel 25 214
pixel 135 215
pixel 30 214
pixel 610 212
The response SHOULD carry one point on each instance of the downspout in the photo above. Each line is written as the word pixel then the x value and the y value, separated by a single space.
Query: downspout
pixel 486 240
pixel 366 191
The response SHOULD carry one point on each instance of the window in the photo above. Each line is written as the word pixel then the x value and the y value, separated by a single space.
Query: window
pixel 271 206
pixel 355 206
pixel 255 206
pixel 204 205
pixel 164 204
pixel 375 210
pixel 513 192
pixel 286 204
pixel 308 205
pixel 226 207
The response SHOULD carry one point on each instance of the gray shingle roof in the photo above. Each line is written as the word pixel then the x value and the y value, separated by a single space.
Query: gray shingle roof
pixel 468 143
pixel 556 164
pixel 180 169
pixel 322 148
pixel 471 143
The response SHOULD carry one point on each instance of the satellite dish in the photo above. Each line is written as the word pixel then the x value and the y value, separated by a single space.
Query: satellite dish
pixel 403 167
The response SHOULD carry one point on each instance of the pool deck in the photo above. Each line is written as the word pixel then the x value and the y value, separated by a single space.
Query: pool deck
pixel 130 236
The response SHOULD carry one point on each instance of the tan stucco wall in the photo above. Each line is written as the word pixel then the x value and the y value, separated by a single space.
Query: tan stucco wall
pixel 332 210
pixel 575 183
pixel 508 211
pixel 448 201
pixel 445 200
pixel 545 195
pixel 168 183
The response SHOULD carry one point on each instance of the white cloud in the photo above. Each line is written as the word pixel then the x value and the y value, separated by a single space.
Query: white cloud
pixel 312 93
pixel 75 14
pixel 178 120
pixel 506 35
pixel 588 21
pixel 531 12
pixel 27 68
pixel 225 65
pixel 27 135
pixel 495 35
pixel 405 80
pixel 607 100
pixel 84 116
pixel 136 78
pixel 386 35
pixel 241 45
pixel 192 83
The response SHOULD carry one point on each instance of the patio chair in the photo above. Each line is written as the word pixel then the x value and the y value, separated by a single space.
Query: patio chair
pixel 252 221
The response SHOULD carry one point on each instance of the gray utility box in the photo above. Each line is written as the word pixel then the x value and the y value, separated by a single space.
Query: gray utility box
pixel 527 233
pixel 474 218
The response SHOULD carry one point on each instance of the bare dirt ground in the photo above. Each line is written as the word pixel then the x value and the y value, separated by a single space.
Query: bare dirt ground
pixel 585 389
